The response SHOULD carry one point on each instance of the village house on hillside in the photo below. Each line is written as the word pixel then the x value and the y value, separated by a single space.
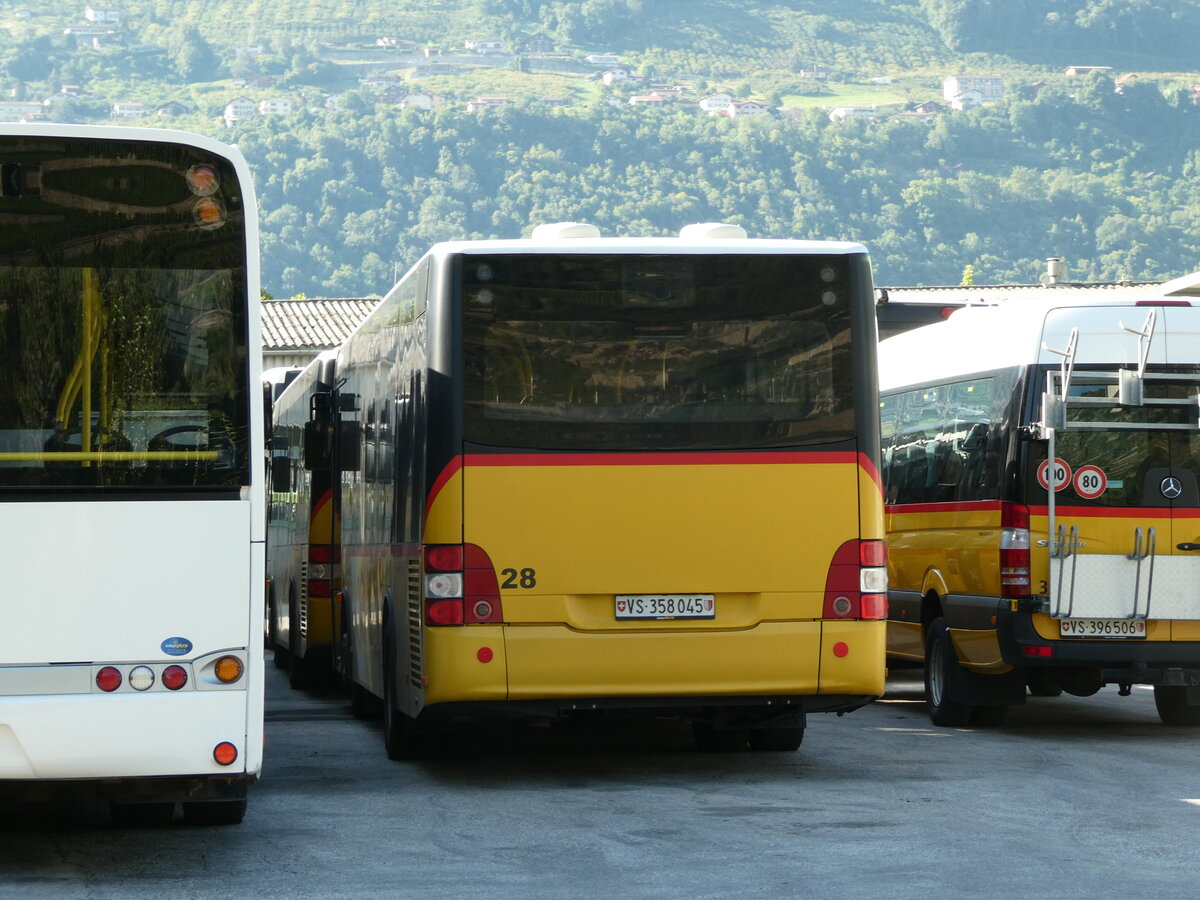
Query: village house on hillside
pixel 238 109
pixel 20 110
pixel 421 100
pixel 747 108
pixel 967 91
pixel 485 48
pixel 102 14
pixel 485 102
pixel 128 110
pixel 715 104
pixel 842 113
pixel 923 113
pixel 275 106
pixel 538 43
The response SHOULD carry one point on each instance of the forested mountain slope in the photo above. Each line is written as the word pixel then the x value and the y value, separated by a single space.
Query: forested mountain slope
pixel 1101 168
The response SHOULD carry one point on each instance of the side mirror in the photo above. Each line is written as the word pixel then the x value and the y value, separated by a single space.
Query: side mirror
pixel 349 446
pixel 281 474
pixel 315 452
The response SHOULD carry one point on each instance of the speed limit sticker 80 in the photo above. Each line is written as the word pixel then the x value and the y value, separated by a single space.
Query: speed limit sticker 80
pixel 1090 482
pixel 1062 474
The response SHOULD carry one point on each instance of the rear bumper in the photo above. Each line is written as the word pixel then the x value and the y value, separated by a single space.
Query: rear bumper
pixel 556 667
pixel 1017 636
pixel 126 736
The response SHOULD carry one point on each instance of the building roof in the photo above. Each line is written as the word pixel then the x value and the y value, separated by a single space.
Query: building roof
pixel 994 293
pixel 311 324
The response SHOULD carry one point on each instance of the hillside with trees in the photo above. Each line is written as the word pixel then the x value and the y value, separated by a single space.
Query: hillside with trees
pixel 376 128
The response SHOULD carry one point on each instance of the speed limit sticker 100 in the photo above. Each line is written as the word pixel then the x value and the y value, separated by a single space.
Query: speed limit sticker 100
pixel 1090 482
pixel 1062 474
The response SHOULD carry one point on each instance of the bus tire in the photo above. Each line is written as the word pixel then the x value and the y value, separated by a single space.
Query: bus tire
pixel 780 739
pixel 280 655
pixel 987 716
pixel 402 738
pixel 1175 706
pixel 217 812
pixel 363 704
pixel 941 670
pixel 302 673
pixel 710 739
pixel 1041 685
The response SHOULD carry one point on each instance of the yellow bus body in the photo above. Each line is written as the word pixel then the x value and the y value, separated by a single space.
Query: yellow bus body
pixel 637 527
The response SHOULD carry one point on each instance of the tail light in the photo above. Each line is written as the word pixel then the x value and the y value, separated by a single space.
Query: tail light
pixel 856 586
pixel 1014 550
pixel 460 586
pixel 322 569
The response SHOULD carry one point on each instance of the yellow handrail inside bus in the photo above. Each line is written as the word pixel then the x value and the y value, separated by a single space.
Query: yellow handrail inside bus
pixel 80 377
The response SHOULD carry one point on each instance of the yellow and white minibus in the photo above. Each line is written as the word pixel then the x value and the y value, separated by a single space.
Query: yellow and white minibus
pixel 1040 463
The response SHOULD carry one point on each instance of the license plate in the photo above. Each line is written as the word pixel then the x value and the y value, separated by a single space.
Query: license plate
pixel 665 606
pixel 1102 628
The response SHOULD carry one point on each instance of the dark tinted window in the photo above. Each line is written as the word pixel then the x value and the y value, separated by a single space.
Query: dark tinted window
pixel 122 317
pixel 945 442
pixel 627 351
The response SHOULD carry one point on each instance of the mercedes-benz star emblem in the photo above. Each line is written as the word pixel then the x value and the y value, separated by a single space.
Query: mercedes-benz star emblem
pixel 1171 487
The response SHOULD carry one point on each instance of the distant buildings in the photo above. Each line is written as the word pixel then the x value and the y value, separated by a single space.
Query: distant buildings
pixel 967 91
pixel 842 113
pixel 239 109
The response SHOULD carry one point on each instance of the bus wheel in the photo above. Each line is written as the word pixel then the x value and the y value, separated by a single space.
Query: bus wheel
pixel 941 666
pixel 142 815
pixel 784 739
pixel 363 704
pixel 280 655
pixel 302 671
pixel 987 716
pixel 710 739
pixel 1174 705
pixel 216 812
pixel 401 736
pixel 1041 685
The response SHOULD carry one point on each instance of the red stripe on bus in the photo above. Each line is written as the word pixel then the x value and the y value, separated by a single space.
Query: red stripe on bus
pixel 1118 512
pixel 442 480
pixel 960 506
pixel 740 458
pixel 321 503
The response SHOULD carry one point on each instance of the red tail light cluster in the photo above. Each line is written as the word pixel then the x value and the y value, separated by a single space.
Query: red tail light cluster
pixel 322 569
pixel 856 586
pixel 1014 550
pixel 460 586
pixel 143 678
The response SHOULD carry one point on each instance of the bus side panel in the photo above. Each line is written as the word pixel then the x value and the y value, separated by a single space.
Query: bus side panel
pixel 255 672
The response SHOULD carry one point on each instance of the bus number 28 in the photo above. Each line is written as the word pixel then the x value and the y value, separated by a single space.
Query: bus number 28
pixel 525 578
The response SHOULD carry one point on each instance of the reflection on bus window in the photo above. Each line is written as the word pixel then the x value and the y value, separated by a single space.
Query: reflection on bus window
pixel 604 352
pixel 121 377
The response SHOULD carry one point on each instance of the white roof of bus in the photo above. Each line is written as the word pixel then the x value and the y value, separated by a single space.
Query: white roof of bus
pixel 649 245
pixel 986 338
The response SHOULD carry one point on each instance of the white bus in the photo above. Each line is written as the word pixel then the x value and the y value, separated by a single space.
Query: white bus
pixel 131 471
pixel 1041 464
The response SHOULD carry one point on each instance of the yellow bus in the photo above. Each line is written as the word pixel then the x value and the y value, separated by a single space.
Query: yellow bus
pixel 1040 465
pixel 301 531
pixel 578 475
